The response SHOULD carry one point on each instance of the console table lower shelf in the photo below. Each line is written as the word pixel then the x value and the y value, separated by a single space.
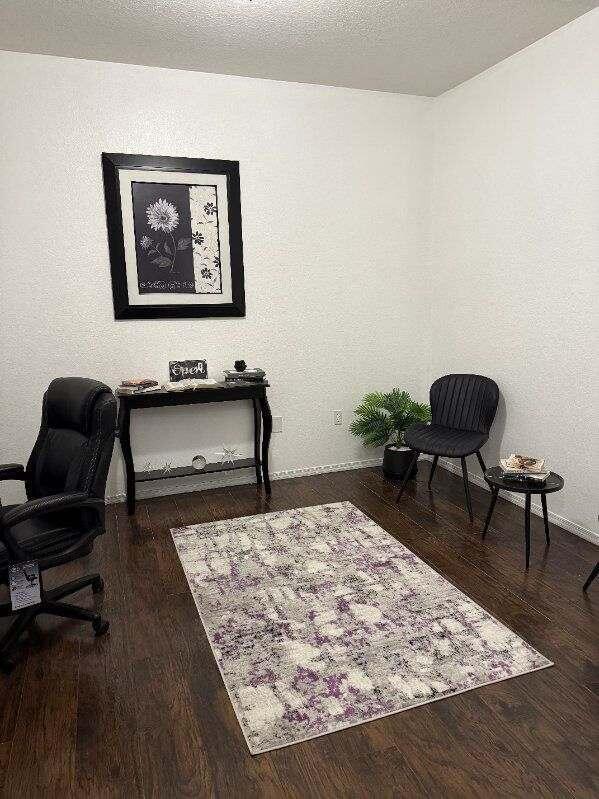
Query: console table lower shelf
pixel 222 393
pixel 190 471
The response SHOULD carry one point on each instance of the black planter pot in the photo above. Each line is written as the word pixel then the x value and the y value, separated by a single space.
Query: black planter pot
pixel 396 461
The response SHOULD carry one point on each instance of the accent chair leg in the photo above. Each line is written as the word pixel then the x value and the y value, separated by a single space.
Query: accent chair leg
pixel 545 518
pixel 591 577
pixel 407 474
pixel 527 528
pixel 432 472
pixel 481 461
pixel 467 489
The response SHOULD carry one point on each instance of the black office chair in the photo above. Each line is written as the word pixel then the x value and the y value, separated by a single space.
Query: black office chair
pixel 463 408
pixel 65 480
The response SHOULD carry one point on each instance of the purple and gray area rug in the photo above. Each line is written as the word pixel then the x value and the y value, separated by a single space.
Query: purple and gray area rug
pixel 320 620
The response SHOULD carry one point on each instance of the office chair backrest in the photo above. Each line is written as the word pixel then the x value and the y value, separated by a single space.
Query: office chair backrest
pixel 464 402
pixel 75 441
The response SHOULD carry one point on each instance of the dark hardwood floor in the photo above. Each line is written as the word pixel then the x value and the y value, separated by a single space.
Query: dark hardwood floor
pixel 143 712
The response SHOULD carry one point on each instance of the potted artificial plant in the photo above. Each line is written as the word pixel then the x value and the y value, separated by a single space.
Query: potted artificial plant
pixel 381 420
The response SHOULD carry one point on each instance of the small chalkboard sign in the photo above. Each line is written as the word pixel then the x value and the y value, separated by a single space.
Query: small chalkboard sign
pixel 186 370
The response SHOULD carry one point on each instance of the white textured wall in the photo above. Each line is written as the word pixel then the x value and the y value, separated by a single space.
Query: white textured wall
pixel 515 251
pixel 356 276
pixel 332 195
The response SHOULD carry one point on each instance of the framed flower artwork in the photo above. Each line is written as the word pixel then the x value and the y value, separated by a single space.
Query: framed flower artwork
pixel 174 236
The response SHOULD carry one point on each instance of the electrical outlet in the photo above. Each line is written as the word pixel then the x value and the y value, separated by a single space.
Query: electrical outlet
pixel 277 424
pixel 337 417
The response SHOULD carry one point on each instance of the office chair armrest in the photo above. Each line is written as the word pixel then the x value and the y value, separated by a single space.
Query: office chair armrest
pixel 42 505
pixel 12 471
pixel 37 507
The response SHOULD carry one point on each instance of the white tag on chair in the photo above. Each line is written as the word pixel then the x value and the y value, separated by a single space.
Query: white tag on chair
pixel 24 581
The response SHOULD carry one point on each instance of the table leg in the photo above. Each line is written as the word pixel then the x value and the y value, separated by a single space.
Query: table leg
pixel 257 437
pixel 494 495
pixel 545 518
pixel 267 423
pixel 527 528
pixel 124 424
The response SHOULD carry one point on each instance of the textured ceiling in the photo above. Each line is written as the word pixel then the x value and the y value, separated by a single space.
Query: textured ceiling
pixel 411 46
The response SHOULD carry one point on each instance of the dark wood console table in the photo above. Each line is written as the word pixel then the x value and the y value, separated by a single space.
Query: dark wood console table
pixel 224 392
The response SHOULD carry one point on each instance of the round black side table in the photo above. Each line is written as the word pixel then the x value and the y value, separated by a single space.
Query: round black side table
pixel 497 483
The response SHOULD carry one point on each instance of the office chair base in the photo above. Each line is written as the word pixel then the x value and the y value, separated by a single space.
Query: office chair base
pixel 50 606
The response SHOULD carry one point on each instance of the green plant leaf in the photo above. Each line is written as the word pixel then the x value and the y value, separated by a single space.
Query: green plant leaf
pixel 383 415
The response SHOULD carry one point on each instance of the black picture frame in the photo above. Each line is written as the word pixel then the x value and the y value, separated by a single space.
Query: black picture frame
pixel 112 164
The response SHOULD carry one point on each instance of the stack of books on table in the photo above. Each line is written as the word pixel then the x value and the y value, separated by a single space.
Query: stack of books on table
pixel 523 468
pixel 247 376
pixel 137 385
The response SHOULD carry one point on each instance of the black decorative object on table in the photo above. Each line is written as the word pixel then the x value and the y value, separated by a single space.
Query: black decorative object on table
pixel 463 408
pixel 497 482
pixel 174 235
pixel 240 366
pixel 223 392
pixel 65 480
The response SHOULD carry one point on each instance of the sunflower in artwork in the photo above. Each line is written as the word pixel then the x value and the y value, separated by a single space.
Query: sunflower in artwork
pixel 163 217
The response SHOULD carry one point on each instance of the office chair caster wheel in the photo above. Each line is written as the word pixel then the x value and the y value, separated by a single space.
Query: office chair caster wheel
pixel 100 626
pixel 6 666
pixel 98 585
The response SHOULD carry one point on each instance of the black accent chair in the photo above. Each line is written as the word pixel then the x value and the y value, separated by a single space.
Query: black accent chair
pixel 463 408
pixel 65 481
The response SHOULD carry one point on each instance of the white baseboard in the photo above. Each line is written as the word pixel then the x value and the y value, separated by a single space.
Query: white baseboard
pixel 518 499
pixel 161 488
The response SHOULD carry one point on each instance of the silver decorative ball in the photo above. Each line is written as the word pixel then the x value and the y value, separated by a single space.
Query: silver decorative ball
pixel 199 462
